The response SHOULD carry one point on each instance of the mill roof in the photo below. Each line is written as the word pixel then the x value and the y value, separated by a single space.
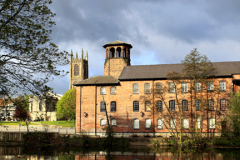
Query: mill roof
pixel 142 72
pixel 117 43
pixel 97 80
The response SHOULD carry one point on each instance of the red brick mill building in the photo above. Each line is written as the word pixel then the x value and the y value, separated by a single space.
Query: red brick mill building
pixel 121 88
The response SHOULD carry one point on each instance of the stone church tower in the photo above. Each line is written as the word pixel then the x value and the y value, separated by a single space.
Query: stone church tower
pixel 78 69
pixel 117 57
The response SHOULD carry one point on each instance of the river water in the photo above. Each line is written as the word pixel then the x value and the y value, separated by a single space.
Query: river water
pixel 28 153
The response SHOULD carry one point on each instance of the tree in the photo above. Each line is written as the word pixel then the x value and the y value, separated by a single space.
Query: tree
pixel 234 114
pixel 197 69
pixel 28 58
pixel 66 106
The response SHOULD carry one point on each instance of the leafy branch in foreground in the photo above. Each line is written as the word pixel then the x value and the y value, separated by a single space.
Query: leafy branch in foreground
pixel 28 58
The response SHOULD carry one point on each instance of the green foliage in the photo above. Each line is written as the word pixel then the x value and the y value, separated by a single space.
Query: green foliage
pixel 234 113
pixel 28 58
pixel 66 106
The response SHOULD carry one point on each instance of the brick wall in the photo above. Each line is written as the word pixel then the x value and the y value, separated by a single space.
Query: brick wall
pixel 89 102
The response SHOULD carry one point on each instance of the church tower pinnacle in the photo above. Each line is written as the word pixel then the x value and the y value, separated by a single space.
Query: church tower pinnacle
pixel 78 69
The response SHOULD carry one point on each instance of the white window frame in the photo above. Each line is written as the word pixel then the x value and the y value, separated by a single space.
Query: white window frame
pixel 172 123
pixel 223 103
pixel 147 88
pixel 210 86
pixel 147 106
pixel 103 122
pixel 199 123
pixel 212 123
pixel 159 124
pixel 113 90
pixel 222 86
pixel 184 87
pixel 159 87
pixel 198 86
pixel 103 90
pixel 185 123
pixel 171 87
pixel 148 123
pixel 113 122
pixel 135 88
pixel 136 123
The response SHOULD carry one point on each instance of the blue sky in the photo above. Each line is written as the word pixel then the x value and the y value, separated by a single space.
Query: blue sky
pixel 160 31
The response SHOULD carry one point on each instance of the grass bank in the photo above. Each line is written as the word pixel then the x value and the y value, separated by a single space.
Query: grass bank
pixel 56 123
pixel 59 123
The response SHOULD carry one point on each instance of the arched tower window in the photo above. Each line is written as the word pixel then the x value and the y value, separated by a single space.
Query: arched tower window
pixel 76 70
pixel 118 52
pixel 112 52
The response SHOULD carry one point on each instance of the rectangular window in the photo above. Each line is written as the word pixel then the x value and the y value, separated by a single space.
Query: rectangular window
pixel 113 106
pixel 147 106
pixel 185 123
pixel 102 106
pixel 113 90
pixel 159 106
pixel 159 124
pixel 212 123
pixel 222 86
pixel 158 88
pixel 210 86
pixel 103 122
pixel 136 124
pixel 148 124
pixel 184 87
pixel 172 123
pixel 135 88
pixel 197 86
pixel 172 105
pixel 135 106
pixel 103 90
pixel 223 104
pixel 184 105
pixel 171 87
pixel 198 105
pixel 113 122
pixel 147 88
pixel 211 104
pixel 199 123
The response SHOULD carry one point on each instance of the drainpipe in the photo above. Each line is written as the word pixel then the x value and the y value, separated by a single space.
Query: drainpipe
pixel 153 110
pixel 95 123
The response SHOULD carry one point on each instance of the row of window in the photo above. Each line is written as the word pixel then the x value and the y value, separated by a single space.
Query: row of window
pixel 147 87
pixel 159 105
pixel 172 123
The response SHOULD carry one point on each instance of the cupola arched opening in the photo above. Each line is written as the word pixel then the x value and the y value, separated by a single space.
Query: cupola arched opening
pixel 118 52
pixel 112 52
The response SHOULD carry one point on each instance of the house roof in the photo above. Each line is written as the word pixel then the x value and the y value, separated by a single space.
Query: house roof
pixel 116 43
pixel 97 80
pixel 160 71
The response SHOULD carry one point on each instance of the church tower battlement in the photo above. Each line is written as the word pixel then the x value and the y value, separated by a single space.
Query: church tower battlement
pixel 117 57
pixel 78 68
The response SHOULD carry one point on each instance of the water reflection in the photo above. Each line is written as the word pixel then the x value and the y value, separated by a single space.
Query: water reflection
pixel 14 153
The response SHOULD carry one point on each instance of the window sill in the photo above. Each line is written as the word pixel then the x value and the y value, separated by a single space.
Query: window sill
pixel 112 111
pixel 136 111
pixel 135 128
pixel 147 128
